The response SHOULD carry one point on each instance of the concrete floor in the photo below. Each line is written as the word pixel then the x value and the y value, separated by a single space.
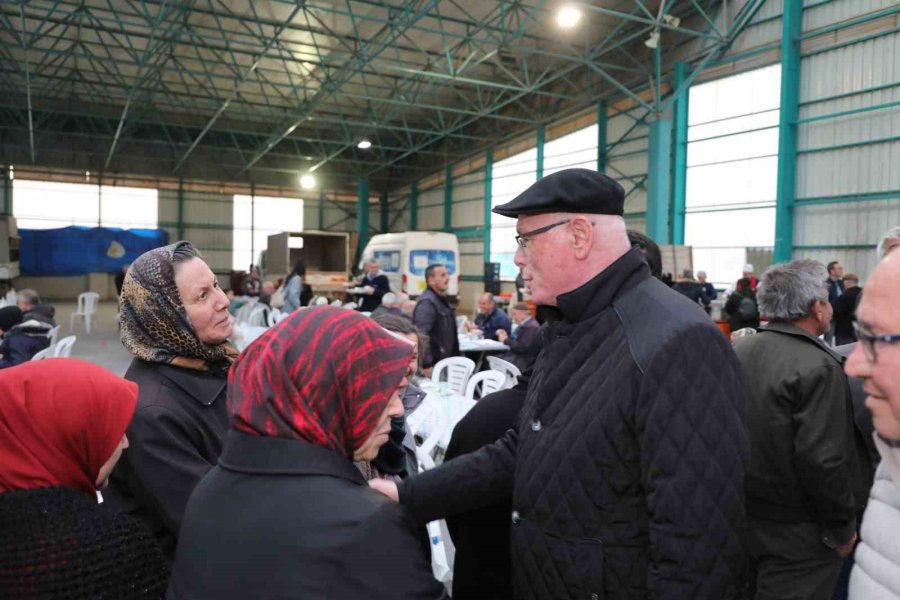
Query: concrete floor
pixel 102 345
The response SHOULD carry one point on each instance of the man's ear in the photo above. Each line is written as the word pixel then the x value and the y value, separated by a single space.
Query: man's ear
pixel 583 237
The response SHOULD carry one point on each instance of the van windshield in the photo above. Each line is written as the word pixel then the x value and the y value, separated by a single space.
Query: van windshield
pixel 420 259
pixel 388 260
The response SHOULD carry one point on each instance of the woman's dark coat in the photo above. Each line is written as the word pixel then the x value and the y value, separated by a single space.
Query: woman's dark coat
pixel 281 518
pixel 175 438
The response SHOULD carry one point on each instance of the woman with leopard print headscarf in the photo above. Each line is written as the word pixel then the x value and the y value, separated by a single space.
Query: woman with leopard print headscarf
pixel 175 322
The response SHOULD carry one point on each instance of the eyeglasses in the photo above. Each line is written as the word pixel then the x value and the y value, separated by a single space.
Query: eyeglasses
pixel 867 339
pixel 522 239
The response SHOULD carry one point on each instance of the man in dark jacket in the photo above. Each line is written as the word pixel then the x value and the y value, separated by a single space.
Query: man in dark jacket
pixel 741 307
pixel 845 309
pixel 524 343
pixel 374 285
pixel 24 335
pixel 627 460
pixel 809 471
pixel 692 290
pixel 434 316
pixel 490 319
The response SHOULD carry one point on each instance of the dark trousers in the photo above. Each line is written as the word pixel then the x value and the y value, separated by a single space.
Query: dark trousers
pixel 790 562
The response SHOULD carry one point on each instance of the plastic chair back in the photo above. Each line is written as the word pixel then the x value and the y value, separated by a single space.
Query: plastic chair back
pixel 511 371
pixel 427 422
pixel 45 353
pixel 87 306
pixel 54 335
pixel 455 372
pixel 64 348
pixel 488 381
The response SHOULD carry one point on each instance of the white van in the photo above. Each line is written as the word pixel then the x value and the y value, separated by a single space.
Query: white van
pixel 405 256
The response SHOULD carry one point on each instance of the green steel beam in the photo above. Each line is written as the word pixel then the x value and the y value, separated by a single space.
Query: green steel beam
pixel 321 210
pixel 27 79
pixel 679 162
pixel 448 198
pixel 383 206
pixel 252 224
pixel 849 198
pixel 602 123
pixel 540 151
pixel 792 25
pixel 658 179
pixel 180 223
pixel 7 192
pixel 362 215
pixel 488 195
pixel 414 206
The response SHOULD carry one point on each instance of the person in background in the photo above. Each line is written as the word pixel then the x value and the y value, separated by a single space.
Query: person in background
pixel 835 281
pixel 408 309
pixel 286 513
pixel 435 317
pixel 524 342
pixel 710 288
pixel 252 285
pixel 649 249
pixel 489 319
pixel 296 292
pixel 741 307
pixel 845 308
pixel 62 429
pixel 175 323
pixel 391 304
pixel 374 284
pixel 888 242
pixel 809 469
pixel 692 290
pixel 876 360
pixel 24 335
pixel 30 303
pixel 748 275
pixel 120 279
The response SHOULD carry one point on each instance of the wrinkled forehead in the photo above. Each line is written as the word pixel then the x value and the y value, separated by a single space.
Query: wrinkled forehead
pixel 877 307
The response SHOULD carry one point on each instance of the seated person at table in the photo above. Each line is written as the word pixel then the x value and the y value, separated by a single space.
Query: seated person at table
pixel 524 342
pixel 490 318
pixel 391 304
pixel 374 285
pixel 286 513
pixel 24 335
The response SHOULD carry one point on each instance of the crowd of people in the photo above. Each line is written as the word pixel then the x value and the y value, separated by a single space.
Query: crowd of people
pixel 642 454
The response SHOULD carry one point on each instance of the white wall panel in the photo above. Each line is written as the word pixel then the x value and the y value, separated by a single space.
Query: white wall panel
pixel 468 200
pixel 431 209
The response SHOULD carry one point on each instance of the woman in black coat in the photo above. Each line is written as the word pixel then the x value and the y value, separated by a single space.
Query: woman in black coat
pixel 285 513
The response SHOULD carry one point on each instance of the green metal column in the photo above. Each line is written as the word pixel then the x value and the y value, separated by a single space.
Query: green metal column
pixel 658 179
pixel 100 199
pixel 322 210
pixel 414 206
pixel 488 193
pixel 383 205
pixel 362 214
pixel 540 151
pixel 679 162
pixel 181 208
pixel 792 23
pixel 252 224
pixel 448 198
pixel 7 192
pixel 601 136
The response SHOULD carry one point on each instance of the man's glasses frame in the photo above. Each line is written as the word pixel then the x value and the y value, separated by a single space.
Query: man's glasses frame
pixel 867 339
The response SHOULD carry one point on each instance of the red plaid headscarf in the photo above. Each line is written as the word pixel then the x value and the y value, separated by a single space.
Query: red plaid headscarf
pixel 323 375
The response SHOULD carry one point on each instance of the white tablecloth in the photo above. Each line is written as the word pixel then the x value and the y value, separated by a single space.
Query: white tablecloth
pixel 466 344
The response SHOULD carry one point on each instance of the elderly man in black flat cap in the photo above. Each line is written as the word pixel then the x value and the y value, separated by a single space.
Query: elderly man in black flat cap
pixel 626 464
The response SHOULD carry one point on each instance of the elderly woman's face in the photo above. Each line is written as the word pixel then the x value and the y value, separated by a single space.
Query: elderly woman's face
pixel 379 437
pixel 205 303
pixel 414 361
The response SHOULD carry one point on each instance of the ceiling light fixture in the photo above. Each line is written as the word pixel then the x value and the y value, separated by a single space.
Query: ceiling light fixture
pixel 568 17
pixel 364 144
pixel 307 182
pixel 652 42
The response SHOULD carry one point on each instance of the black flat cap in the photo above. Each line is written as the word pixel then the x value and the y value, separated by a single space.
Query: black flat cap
pixel 571 190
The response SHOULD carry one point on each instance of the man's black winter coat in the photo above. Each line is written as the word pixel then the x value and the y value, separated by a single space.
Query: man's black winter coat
pixel 627 462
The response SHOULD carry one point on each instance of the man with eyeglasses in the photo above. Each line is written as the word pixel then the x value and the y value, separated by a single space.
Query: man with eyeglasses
pixel 626 463
pixel 876 360
pixel 809 469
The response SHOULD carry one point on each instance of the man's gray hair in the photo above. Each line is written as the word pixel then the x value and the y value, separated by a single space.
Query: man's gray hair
pixel 29 297
pixel 389 299
pixel 788 290
pixel 893 235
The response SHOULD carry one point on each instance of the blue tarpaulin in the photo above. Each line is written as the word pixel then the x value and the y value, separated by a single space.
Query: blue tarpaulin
pixel 79 250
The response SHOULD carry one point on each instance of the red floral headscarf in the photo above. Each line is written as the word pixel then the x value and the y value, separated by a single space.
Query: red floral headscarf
pixel 323 375
pixel 60 420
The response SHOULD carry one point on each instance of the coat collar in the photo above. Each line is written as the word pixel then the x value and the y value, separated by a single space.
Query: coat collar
pixel 788 328
pixel 598 293
pixel 262 455
pixel 204 387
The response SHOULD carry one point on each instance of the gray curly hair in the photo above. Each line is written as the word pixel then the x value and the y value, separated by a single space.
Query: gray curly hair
pixel 892 235
pixel 788 290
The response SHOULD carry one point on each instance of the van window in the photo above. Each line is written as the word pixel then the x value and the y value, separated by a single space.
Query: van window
pixel 389 260
pixel 420 259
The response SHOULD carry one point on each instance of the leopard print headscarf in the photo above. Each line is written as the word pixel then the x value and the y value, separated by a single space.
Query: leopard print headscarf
pixel 154 324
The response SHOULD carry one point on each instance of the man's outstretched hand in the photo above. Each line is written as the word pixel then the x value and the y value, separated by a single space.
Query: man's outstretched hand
pixel 388 488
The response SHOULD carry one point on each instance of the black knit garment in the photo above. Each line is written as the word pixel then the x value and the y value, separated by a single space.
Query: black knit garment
pixel 58 543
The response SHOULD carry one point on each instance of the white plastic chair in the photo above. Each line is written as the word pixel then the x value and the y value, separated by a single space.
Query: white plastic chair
pixel 319 301
pixel 511 371
pixel 64 348
pixel 45 353
pixel 350 305
pixel 461 323
pixel 273 317
pixel 428 422
pixel 87 306
pixel 54 335
pixel 257 317
pixel 336 302
pixel 456 371
pixel 490 382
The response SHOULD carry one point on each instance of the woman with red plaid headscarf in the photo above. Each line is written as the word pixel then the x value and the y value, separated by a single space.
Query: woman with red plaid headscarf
pixel 286 512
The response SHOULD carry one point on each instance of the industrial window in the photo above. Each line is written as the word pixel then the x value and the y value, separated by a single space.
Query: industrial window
pixel 509 177
pixel 732 171
pixel 258 217
pixel 49 205
pixel 576 149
